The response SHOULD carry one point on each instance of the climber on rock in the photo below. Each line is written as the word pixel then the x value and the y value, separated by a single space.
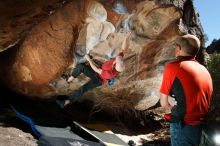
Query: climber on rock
pixel 98 76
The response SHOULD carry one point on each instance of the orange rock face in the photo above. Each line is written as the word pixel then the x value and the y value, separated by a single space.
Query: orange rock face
pixel 46 49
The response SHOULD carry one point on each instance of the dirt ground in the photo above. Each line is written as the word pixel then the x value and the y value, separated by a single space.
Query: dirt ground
pixel 152 131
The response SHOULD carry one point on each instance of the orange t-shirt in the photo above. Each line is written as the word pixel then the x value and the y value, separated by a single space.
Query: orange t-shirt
pixel 191 85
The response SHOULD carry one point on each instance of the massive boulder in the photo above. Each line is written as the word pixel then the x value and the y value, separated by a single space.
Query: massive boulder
pixel 39 44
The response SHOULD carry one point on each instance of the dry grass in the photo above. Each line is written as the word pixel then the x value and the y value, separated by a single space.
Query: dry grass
pixel 116 107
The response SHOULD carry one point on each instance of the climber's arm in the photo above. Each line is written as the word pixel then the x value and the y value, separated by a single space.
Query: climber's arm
pixel 124 45
pixel 92 64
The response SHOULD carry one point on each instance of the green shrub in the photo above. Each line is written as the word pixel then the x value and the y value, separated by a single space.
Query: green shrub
pixel 214 69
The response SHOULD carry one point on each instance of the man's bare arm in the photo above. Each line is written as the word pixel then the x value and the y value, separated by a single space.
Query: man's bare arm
pixel 92 64
pixel 164 101
pixel 124 45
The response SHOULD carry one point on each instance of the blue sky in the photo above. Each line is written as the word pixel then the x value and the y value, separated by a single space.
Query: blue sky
pixel 209 12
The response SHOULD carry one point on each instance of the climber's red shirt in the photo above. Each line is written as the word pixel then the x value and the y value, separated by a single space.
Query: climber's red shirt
pixel 191 84
pixel 108 71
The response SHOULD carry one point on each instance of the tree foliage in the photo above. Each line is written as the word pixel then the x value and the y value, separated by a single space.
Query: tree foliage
pixel 214 69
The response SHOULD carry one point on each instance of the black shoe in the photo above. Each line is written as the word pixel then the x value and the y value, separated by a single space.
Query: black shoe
pixel 60 103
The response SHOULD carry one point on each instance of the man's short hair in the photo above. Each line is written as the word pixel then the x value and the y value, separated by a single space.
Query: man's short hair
pixel 190 44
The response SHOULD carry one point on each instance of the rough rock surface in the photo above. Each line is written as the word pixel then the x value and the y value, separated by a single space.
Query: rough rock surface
pixel 10 134
pixel 48 36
